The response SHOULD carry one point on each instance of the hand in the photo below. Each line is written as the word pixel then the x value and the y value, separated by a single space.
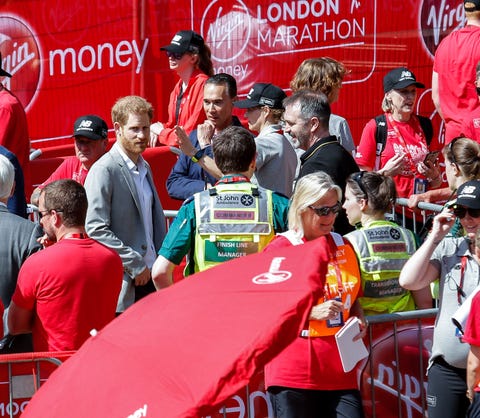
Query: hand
pixel 415 199
pixel 394 165
pixel 143 277
pixel 205 133
pixel 327 310
pixel 363 331
pixel 155 129
pixel 184 142
pixel 442 223
pixel 45 241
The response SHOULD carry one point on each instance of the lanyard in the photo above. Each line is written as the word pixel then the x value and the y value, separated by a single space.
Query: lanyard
pixel 233 178
pixel 460 292
pixel 332 255
pixel 417 129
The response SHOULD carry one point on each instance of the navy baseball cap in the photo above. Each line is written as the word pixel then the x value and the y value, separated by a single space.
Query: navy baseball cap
pixel 263 94
pixel 91 127
pixel 184 41
pixel 400 78
pixel 3 73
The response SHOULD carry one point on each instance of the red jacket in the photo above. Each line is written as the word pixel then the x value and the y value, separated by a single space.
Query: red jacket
pixel 191 108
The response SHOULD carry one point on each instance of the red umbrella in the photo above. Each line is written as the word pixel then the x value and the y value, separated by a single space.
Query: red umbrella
pixel 180 351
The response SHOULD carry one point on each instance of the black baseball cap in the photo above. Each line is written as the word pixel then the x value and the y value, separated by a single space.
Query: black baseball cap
pixel 91 127
pixel 400 78
pixel 184 41
pixel 263 94
pixel 468 194
pixel 3 73
pixel 473 6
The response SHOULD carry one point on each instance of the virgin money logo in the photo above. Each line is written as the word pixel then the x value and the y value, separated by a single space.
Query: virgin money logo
pixel 20 57
pixel 226 26
pixel 438 19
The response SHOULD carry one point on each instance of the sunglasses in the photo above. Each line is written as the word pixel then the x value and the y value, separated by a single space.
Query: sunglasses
pixel 326 210
pixel 175 55
pixel 42 213
pixel 461 212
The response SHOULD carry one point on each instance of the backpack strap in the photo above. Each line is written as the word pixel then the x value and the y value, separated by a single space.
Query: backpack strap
pixel 381 134
pixel 380 138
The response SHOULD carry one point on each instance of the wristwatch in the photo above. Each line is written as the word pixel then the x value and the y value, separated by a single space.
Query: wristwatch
pixel 198 155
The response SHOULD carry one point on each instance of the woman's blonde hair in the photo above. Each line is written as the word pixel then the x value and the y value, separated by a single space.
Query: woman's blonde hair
pixel 308 190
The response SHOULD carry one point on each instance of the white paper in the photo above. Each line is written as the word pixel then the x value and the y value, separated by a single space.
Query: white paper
pixel 351 352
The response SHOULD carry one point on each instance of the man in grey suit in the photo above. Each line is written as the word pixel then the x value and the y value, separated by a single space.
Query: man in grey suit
pixel 18 235
pixel 124 210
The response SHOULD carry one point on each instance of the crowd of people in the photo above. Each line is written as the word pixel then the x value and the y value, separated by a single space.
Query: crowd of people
pixel 293 176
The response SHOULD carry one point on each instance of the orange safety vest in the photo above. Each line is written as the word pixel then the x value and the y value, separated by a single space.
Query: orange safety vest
pixel 342 281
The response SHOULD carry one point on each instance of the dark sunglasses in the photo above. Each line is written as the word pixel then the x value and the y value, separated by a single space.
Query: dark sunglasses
pixel 357 178
pixel 326 210
pixel 42 213
pixel 175 55
pixel 461 212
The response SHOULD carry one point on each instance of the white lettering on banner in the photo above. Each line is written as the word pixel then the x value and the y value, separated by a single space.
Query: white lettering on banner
pixel 443 18
pixel 311 33
pixel 240 411
pixel 12 409
pixel 298 10
pixel 103 55
pixel 241 31
pixel 139 413
pixel 20 56
pixel 409 386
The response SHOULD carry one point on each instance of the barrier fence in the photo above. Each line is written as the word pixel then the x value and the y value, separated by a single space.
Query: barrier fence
pixel 392 379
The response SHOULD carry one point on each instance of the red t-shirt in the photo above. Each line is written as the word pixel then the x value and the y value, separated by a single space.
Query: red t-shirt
pixel 472 129
pixel 71 287
pixel 71 168
pixel 455 61
pixel 14 131
pixel 310 363
pixel 191 112
pixel 414 148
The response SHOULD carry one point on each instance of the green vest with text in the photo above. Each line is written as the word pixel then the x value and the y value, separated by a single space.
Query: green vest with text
pixel 232 220
pixel 382 249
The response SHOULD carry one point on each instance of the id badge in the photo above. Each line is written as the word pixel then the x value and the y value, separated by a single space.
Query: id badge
pixel 338 320
pixel 420 185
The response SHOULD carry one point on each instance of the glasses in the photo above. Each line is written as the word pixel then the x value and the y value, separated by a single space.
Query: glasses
pixel 461 212
pixel 42 213
pixel 357 178
pixel 326 210
pixel 175 55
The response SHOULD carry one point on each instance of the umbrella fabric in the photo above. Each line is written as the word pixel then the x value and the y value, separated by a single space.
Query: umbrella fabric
pixel 178 352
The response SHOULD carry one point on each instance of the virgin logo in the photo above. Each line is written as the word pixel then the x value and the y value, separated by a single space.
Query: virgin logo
pixel 20 57
pixel 226 26
pixel 274 274
pixel 438 19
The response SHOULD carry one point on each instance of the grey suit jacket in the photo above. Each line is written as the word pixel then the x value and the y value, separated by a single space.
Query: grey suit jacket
pixel 115 219
pixel 18 240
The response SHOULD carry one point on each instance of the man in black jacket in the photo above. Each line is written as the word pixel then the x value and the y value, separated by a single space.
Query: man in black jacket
pixel 306 116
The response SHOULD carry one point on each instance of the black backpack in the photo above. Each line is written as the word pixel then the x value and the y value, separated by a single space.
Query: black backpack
pixel 381 132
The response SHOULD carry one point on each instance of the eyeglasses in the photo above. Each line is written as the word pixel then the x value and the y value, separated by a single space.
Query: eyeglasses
pixel 326 210
pixel 175 55
pixel 461 212
pixel 357 178
pixel 42 213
